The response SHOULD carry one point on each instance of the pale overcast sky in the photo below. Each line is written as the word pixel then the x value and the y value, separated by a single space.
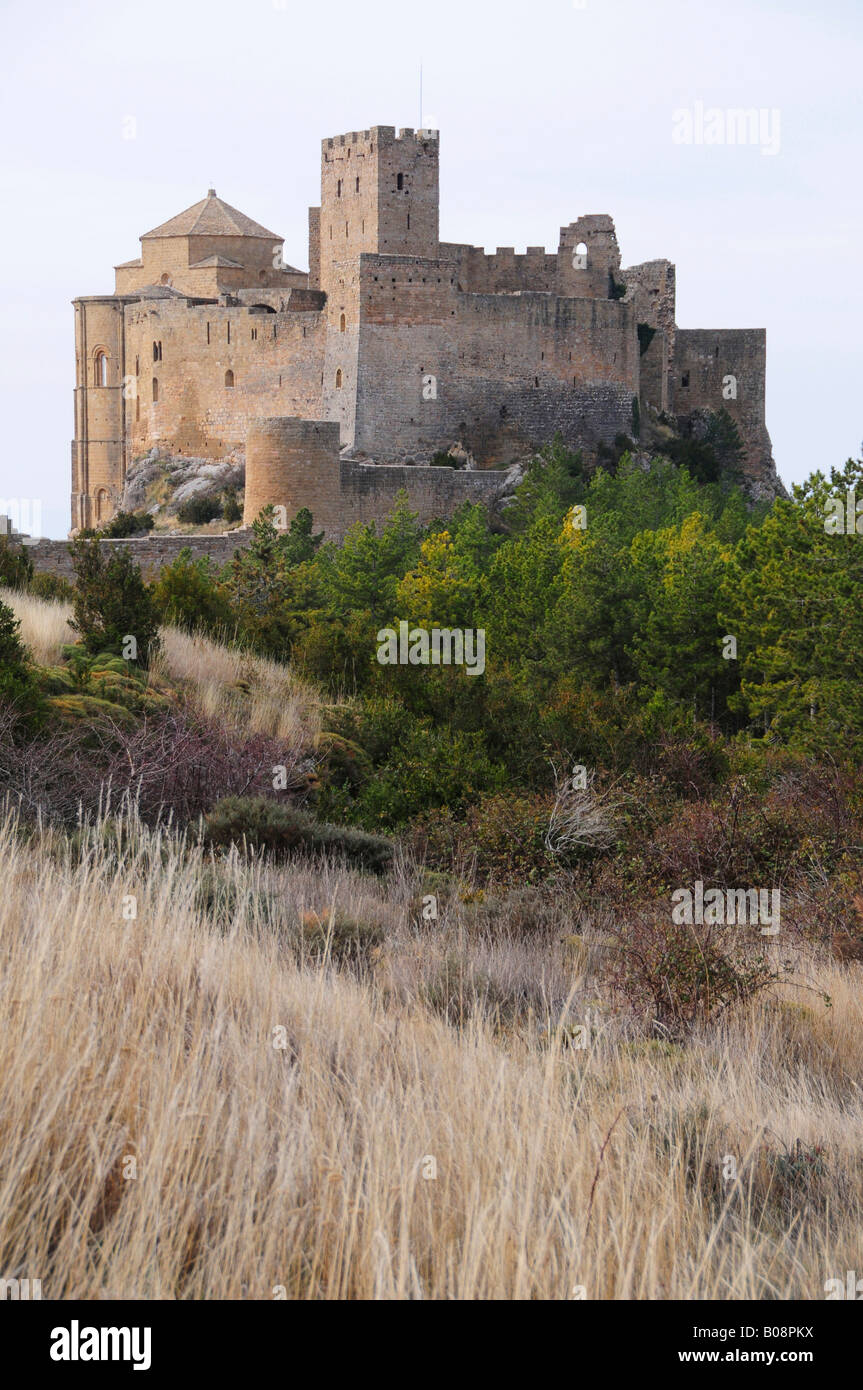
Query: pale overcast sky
pixel 547 110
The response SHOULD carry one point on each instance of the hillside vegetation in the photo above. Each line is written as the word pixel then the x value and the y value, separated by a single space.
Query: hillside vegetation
pixel 326 977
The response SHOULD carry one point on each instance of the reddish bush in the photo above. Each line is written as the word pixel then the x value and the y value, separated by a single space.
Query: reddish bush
pixel 174 764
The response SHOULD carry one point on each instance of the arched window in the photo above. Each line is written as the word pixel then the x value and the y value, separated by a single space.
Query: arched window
pixel 165 278
pixel 229 378
pixel 100 368
pixel 580 259
pixel 342 323
pixel 338 378
pixel 155 388
pixel 101 504
pixel 157 352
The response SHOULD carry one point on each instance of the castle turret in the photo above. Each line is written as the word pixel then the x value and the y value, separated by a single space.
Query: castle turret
pixel 98 448
pixel 293 463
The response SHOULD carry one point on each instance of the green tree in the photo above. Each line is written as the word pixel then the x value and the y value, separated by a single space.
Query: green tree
pixel 16 673
pixel 791 597
pixel 363 573
pixel 189 594
pixel 676 646
pixel 112 603
pixel 16 567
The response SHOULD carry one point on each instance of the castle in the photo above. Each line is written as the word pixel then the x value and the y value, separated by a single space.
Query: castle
pixel 392 347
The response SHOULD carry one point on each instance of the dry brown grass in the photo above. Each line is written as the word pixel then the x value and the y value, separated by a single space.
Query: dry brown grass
pixel 250 691
pixel 222 682
pixel 44 626
pixel 302 1168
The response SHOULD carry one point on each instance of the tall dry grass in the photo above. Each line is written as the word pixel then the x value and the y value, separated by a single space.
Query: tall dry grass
pixel 44 626
pixel 385 1152
pixel 250 691
pixel 222 682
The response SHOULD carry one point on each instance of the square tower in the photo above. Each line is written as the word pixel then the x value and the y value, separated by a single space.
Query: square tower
pixel 379 193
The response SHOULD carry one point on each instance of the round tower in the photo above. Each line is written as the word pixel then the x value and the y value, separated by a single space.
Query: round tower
pixel 294 463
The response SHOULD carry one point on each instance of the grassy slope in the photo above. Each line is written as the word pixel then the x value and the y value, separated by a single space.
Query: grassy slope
pixel 257 1167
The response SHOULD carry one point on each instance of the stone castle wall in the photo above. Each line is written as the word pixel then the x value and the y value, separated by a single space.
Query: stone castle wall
pixel 509 371
pixel 276 361
pixel 294 463
pixel 150 552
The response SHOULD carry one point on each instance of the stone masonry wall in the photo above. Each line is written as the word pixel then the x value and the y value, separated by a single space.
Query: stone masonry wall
pixel 150 552
pixel 276 360
pixel 509 370
pixel 295 463
pixel 704 360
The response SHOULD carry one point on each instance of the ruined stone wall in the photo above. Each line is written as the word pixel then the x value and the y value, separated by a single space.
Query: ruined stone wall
pixel 590 274
pixel 276 360
pixel 563 272
pixel 651 289
pixel 711 363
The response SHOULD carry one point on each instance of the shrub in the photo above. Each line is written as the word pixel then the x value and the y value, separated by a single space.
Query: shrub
pixel 503 836
pixel 128 524
pixel 16 567
pixel 188 595
pixel 260 823
pixel 197 511
pixel 112 603
pixel 51 587
pixel 415 764
pixel 17 690
pixel 173 764
pixel 681 976
pixel 231 509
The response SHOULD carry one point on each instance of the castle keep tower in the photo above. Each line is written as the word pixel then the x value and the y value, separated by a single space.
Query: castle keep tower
pixel 379 196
